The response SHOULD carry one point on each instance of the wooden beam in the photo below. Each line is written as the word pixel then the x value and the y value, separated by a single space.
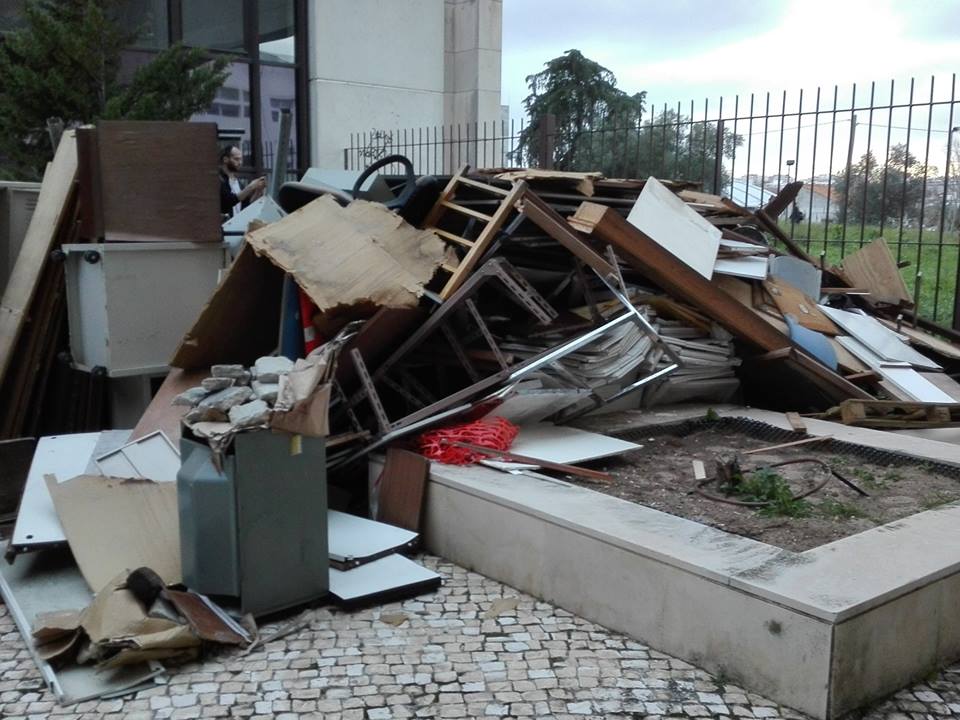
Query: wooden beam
pixel 788 193
pixel 58 184
pixel 675 276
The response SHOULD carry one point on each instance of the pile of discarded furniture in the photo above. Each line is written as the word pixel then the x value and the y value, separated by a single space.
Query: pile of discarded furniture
pixel 471 318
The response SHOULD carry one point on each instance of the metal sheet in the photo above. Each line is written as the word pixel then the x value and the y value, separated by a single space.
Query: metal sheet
pixel 281 489
pixel 356 540
pixel 386 576
pixel 49 581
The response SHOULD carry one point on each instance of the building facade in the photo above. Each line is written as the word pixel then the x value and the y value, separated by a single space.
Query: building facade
pixel 339 66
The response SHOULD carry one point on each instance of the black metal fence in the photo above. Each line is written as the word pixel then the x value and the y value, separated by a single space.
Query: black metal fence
pixel 877 161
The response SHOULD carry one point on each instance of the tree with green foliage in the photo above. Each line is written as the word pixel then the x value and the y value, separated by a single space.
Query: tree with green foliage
pixel 64 62
pixel 600 127
pixel 583 97
pixel 880 192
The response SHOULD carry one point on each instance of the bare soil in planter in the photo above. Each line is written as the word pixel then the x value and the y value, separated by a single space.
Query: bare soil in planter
pixel 661 476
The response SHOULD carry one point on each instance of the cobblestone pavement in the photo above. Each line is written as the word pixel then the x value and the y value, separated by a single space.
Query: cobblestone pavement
pixel 473 649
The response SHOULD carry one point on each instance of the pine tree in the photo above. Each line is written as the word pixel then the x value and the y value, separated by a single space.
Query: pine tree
pixel 65 63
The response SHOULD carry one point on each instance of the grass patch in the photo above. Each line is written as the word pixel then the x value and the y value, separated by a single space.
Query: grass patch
pixel 927 252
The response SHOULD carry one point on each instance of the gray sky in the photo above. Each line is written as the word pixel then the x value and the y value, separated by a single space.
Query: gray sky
pixel 683 50
pixel 680 50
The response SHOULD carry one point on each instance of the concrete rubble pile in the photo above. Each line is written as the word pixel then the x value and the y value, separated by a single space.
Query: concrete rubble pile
pixel 350 339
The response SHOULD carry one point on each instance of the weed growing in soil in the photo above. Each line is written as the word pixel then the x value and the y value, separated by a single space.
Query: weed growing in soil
pixel 765 485
pixel 839 510
pixel 937 499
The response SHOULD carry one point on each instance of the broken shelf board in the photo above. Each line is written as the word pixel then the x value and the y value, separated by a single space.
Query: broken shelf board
pixel 669 222
pixel 393 576
pixel 878 338
pixel 354 540
pixel 49 581
pixel 753 267
pixel 65 456
pixel 561 444
pixel 113 525
pixel 402 485
pixel 924 339
pixel 152 457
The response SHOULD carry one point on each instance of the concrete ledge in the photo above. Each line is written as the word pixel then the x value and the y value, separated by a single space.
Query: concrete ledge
pixel 823 631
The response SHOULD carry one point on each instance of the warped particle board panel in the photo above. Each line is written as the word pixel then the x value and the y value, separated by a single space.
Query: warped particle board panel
pixel 168 168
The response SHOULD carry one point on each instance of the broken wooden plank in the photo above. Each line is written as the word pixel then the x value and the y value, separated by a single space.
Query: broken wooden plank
pixel 52 206
pixel 513 457
pixel 791 301
pixel 402 484
pixel 794 443
pixel 873 267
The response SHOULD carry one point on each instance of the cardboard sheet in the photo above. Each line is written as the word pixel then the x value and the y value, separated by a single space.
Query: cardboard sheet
pixel 669 222
pixel 362 253
pixel 114 525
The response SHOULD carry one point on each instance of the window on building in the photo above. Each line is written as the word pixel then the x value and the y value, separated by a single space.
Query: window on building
pixel 150 21
pixel 215 25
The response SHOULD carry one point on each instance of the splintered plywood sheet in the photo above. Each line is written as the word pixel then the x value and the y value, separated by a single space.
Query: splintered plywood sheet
pixel 669 222
pixel 347 255
pixel 114 525
pixel 873 267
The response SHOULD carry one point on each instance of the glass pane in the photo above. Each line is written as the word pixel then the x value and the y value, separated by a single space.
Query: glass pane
pixel 230 110
pixel 147 18
pixel 217 25
pixel 276 31
pixel 278 92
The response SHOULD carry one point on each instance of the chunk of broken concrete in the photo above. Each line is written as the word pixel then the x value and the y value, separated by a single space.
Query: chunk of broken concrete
pixel 250 414
pixel 223 400
pixel 269 369
pixel 204 414
pixel 212 384
pixel 190 397
pixel 266 391
pixel 230 371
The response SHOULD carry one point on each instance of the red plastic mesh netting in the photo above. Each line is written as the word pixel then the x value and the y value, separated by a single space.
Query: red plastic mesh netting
pixel 496 434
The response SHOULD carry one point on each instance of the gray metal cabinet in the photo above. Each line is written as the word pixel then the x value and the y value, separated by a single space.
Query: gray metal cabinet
pixel 256 530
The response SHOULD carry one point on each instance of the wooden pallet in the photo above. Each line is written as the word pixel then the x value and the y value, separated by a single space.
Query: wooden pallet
pixel 492 223
pixel 892 414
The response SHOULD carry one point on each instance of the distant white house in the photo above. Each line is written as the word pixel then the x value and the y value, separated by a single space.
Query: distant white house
pixel 746 194
pixel 816 200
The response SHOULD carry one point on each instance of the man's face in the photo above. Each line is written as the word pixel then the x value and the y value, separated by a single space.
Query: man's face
pixel 234 160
